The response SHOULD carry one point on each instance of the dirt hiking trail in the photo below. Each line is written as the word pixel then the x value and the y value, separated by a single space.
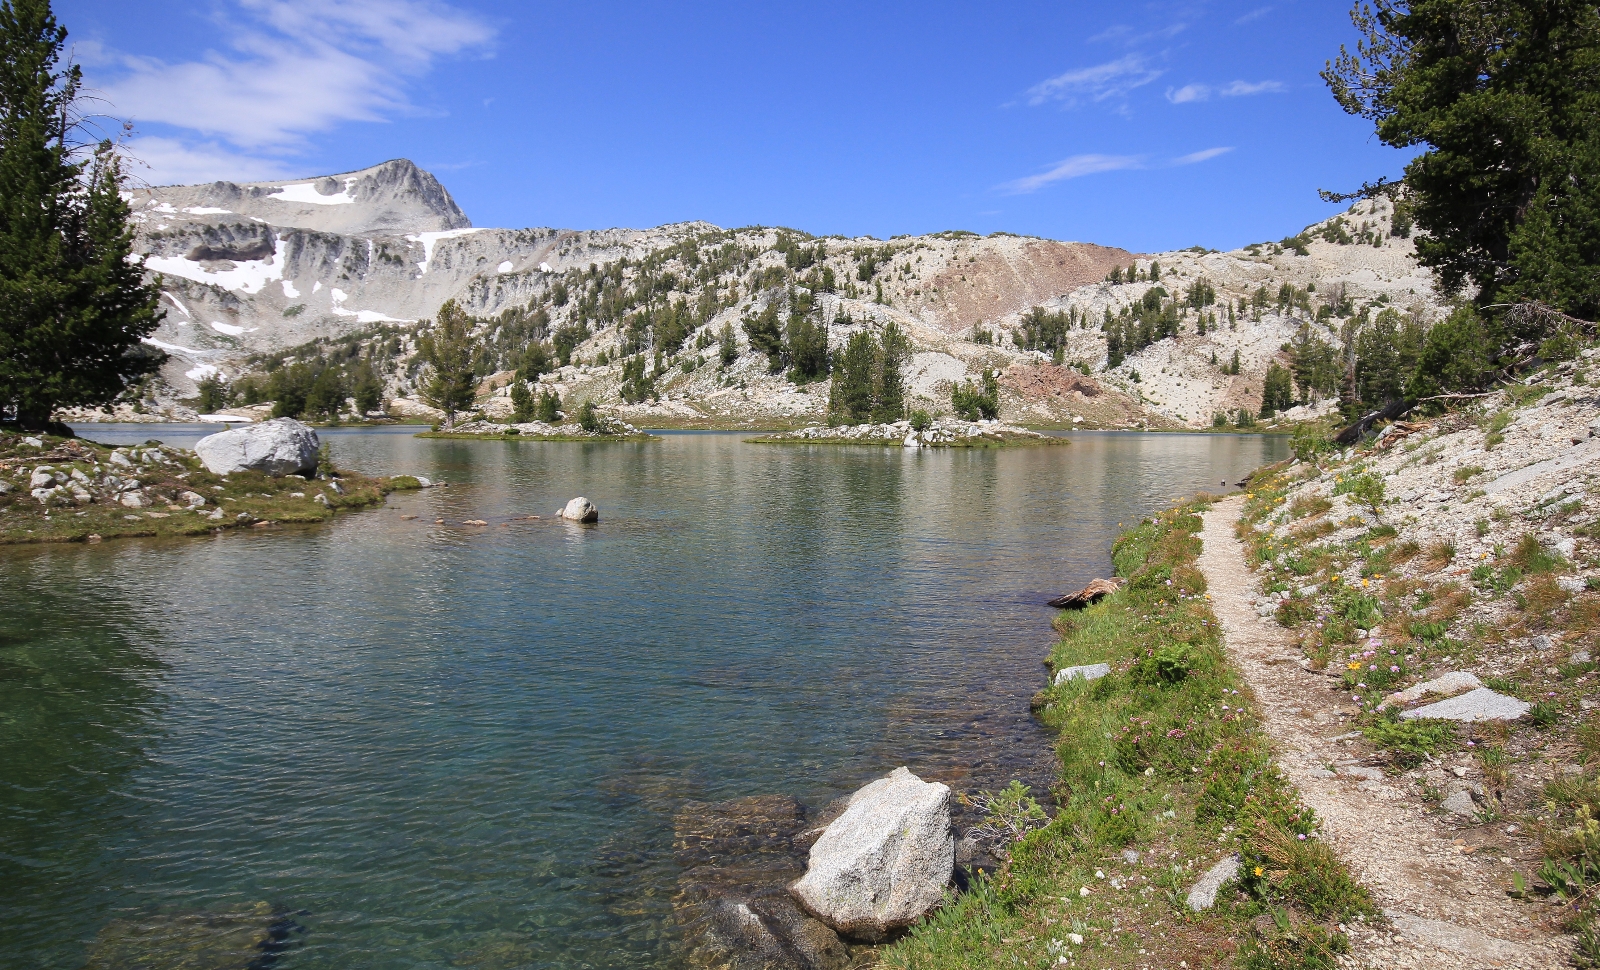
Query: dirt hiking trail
pixel 1446 906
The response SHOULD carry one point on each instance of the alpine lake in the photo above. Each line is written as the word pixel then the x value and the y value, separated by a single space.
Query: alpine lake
pixel 389 742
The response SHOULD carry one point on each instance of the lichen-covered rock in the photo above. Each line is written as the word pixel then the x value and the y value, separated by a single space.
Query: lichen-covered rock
pixel 885 862
pixel 280 447
pixel 1203 894
pixel 1482 704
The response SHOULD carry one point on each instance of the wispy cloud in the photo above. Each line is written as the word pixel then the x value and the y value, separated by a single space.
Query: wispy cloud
pixel 1255 14
pixel 1235 89
pixel 293 68
pixel 1201 156
pixel 1075 167
pixel 1097 83
pixel 1127 36
pixel 1080 165
pixel 1187 93
pixel 156 160
pixel 1240 89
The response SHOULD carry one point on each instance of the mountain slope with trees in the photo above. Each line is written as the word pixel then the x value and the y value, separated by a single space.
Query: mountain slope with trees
pixel 696 325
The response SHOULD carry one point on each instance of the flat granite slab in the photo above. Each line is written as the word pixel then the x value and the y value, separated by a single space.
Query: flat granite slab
pixel 1482 704
pixel 1086 672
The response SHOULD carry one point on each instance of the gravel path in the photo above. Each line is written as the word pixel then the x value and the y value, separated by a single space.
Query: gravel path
pixel 1445 897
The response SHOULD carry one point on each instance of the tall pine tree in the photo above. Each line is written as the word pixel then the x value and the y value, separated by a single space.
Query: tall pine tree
pixel 73 304
pixel 452 384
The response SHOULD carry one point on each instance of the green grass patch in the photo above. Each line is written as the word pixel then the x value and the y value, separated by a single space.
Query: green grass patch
pixel 1164 757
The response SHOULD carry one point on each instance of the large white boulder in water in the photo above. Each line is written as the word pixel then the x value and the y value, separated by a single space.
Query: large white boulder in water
pixel 885 862
pixel 280 447
pixel 580 509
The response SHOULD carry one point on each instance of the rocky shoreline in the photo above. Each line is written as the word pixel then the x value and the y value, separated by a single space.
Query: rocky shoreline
pixel 939 434
pixel 55 489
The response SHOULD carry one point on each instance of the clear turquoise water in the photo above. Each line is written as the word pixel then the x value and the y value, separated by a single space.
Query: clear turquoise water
pixel 449 746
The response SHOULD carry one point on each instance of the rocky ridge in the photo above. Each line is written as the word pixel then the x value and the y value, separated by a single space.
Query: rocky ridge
pixel 261 268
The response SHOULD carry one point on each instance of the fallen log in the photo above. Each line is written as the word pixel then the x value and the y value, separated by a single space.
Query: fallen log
pixel 1089 594
pixel 1354 433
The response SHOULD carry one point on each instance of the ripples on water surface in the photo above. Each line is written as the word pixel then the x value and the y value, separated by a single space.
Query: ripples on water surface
pixel 443 746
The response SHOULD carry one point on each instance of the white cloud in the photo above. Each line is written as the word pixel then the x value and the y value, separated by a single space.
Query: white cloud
pixel 293 68
pixel 167 161
pixel 1074 167
pixel 1255 14
pixel 1243 88
pixel 1201 156
pixel 1080 165
pixel 1123 34
pixel 1235 89
pixel 1111 79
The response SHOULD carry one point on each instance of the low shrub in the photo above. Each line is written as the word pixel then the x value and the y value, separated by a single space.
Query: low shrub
pixel 1410 742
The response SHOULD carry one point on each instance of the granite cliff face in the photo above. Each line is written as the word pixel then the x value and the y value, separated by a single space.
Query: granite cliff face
pixel 395 197
pixel 263 267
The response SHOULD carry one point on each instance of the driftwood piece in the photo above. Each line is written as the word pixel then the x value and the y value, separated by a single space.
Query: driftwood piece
pixel 1400 431
pixel 1089 594
pixel 1390 412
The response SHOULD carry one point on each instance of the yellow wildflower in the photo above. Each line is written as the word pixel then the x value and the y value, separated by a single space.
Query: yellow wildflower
pixel 1353 665
pixel 1258 871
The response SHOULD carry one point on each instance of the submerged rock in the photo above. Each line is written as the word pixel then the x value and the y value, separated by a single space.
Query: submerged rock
pixel 884 863
pixel 762 929
pixel 280 447
pixel 228 940
pixel 738 856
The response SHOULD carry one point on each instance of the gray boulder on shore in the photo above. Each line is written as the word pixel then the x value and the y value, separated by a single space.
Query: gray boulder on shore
pixel 280 447
pixel 884 863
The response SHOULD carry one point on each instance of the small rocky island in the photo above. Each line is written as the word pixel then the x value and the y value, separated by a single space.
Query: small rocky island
pixel 600 429
pixel 55 489
pixel 941 433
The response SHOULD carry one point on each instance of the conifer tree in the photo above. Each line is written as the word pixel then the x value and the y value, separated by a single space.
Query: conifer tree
pixel 452 386
pixel 366 387
pixel 73 306
pixel 981 401
pixel 889 397
pixel 1501 97
pixel 522 402
pixel 850 396
pixel 1277 393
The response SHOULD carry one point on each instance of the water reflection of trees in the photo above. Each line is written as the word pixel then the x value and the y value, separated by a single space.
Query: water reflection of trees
pixel 78 702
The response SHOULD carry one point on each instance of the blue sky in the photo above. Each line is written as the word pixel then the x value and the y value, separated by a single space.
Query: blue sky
pixel 1145 125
